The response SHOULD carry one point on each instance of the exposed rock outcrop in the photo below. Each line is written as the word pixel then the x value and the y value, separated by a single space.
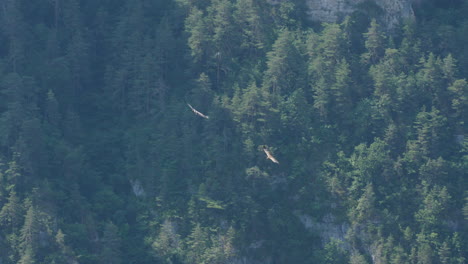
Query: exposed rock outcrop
pixel 327 228
pixel 390 12
pixel 334 10
pixel 137 188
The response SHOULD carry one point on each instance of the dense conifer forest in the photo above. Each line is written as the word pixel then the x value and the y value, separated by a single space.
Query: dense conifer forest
pixel 103 161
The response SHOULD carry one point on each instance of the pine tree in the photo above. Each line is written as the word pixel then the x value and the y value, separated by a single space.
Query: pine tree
pixel 459 92
pixel 295 115
pixel 197 245
pixel 198 40
pixel 435 171
pixel 11 214
pixel 449 68
pixel 341 90
pixel 167 244
pixel 225 37
pixel 13 174
pixel 29 240
pixel 425 254
pixel 328 68
pixel 365 208
pixel 332 47
pixel 110 252
pixel 222 250
pixel 430 128
pixel 254 111
pixel 444 253
pixel 457 246
pixel 430 80
pixel 392 88
pixel 250 19
pixel 285 66
pixel 435 202
pixel 374 39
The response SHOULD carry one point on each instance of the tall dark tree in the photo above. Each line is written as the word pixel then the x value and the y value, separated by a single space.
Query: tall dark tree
pixel 111 243
pixel 29 237
pixel 285 66
pixel 374 42
pixel 11 213
pixel 198 40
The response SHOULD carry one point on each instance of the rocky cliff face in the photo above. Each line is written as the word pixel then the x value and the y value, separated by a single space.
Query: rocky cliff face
pixel 392 11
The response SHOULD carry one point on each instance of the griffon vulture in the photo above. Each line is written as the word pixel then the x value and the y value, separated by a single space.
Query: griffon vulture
pixel 197 112
pixel 269 156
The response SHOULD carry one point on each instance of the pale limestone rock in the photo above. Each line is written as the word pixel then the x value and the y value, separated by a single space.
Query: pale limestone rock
pixel 396 10
pixel 335 10
pixel 328 228
pixel 137 188
pixel 328 10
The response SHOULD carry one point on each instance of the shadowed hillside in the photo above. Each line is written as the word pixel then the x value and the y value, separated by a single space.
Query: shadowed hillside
pixel 231 131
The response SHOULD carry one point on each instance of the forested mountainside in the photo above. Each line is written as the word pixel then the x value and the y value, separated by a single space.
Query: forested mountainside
pixel 103 161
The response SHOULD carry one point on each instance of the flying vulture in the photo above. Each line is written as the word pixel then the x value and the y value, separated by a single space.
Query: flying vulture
pixel 197 112
pixel 269 156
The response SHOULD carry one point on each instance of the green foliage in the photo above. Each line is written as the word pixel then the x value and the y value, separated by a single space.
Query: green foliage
pixel 110 251
pixel 250 19
pixel 359 259
pixel 167 243
pixel 433 206
pixel 285 66
pixel 103 162
pixel 12 212
pixel 374 43
pixel 364 209
pixel 334 253
pixel 204 246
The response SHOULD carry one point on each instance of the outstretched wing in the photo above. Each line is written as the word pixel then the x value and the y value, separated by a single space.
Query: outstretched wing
pixel 197 112
pixel 269 156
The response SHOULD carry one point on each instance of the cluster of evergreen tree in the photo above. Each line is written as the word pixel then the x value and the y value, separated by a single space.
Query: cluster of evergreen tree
pixel 101 160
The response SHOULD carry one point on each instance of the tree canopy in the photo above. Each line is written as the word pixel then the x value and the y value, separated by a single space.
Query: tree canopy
pixel 103 161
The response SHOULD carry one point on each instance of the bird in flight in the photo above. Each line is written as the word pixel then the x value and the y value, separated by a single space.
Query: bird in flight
pixel 269 156
pixel 197 112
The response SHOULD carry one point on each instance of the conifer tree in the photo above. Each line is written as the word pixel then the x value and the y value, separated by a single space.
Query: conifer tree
pixel 459 92
pixel 435 201
pixel 341 90
pixel 225 37
pixel 255 110
pixel 167 244
pixel 11 214
pixel 197 245
pixel 111 242
pixel 250 19
pixel 29 236
pixel 430 128
pixel 374 39
pixel 285 66
pixel 196 26
pixel 365 207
